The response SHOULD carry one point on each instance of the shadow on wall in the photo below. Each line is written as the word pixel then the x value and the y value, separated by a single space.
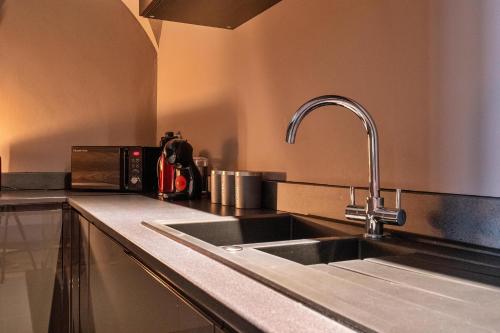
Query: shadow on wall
pixel 100 91
pixel 156 26
pixel 2 2
pixel 212 130
pixel 55 148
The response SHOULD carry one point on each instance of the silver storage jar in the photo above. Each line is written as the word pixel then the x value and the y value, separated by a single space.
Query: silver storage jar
pixel 248 189
pixel 227 188
pixel 215 186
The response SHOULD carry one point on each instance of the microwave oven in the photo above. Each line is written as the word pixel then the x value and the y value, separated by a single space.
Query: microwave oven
pixel 114 168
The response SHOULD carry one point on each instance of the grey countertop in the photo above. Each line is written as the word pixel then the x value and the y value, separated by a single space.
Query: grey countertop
pixel 31 197
pixel 361 287
pixel 218 286
pixel 242 301
pixel 27 197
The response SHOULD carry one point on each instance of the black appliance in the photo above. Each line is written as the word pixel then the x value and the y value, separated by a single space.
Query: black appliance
pixel 178 175
pixel 114 168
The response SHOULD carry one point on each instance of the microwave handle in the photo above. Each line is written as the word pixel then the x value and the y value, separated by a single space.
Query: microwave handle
pixel 125 162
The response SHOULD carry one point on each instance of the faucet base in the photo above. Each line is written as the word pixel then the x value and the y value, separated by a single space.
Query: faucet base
pixel 374 228
pixel 373 236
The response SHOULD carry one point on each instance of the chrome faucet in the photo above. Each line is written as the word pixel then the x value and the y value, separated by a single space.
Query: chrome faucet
pixel 374 213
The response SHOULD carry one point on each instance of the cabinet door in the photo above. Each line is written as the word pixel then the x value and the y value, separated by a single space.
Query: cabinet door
pixel 31 280
pixel 79 274
pixel 125 297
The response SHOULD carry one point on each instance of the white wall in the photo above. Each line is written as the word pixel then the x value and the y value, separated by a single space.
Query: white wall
pixel 428 72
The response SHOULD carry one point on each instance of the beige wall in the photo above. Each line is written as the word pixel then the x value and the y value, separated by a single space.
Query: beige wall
pixel 72 72
pixel 426 70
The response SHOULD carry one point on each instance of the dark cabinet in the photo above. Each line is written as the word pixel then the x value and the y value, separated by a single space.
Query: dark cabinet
pixel 80 255
pixel 117 293
pixel 33 293
pixel 59 273
pixel 227 14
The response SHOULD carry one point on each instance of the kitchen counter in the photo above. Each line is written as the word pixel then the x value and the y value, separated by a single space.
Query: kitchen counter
pixel 27 197
pixel 9 197
pixel 212 284
pixel 242 301
pixel 447 298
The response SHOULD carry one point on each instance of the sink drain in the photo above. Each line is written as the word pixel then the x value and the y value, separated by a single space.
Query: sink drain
pixel 232 248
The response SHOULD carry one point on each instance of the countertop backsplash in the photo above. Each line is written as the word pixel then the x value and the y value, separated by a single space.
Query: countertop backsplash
pixel 464 218
pixel 36 180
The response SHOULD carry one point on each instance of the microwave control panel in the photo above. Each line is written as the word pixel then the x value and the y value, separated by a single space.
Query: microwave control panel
pixel 135 166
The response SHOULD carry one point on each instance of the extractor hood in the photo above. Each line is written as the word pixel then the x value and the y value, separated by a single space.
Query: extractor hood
pixel 227 14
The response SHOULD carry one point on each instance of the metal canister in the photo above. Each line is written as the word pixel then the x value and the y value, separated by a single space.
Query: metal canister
pixel 248 187
pixel 227 188
pixel 215 186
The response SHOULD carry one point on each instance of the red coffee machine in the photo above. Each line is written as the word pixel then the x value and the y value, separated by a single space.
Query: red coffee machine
pixel 178 176
pixel 165 170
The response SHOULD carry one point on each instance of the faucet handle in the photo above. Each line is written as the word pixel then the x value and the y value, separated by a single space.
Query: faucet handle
pixel 396 216
pixel 353 212
pixel 390 216
pixel 398 198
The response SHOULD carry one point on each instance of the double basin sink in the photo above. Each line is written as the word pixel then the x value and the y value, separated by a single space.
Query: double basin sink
pixel 322 265
pixel 297 239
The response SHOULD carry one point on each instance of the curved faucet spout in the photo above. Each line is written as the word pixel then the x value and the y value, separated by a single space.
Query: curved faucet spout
pixel 368 123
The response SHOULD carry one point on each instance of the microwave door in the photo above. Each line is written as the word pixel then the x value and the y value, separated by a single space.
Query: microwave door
pixel 96 168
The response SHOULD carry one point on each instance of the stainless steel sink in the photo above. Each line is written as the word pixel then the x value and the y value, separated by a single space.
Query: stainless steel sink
pixel 318 263
pixel 255 230
pixel 333 250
